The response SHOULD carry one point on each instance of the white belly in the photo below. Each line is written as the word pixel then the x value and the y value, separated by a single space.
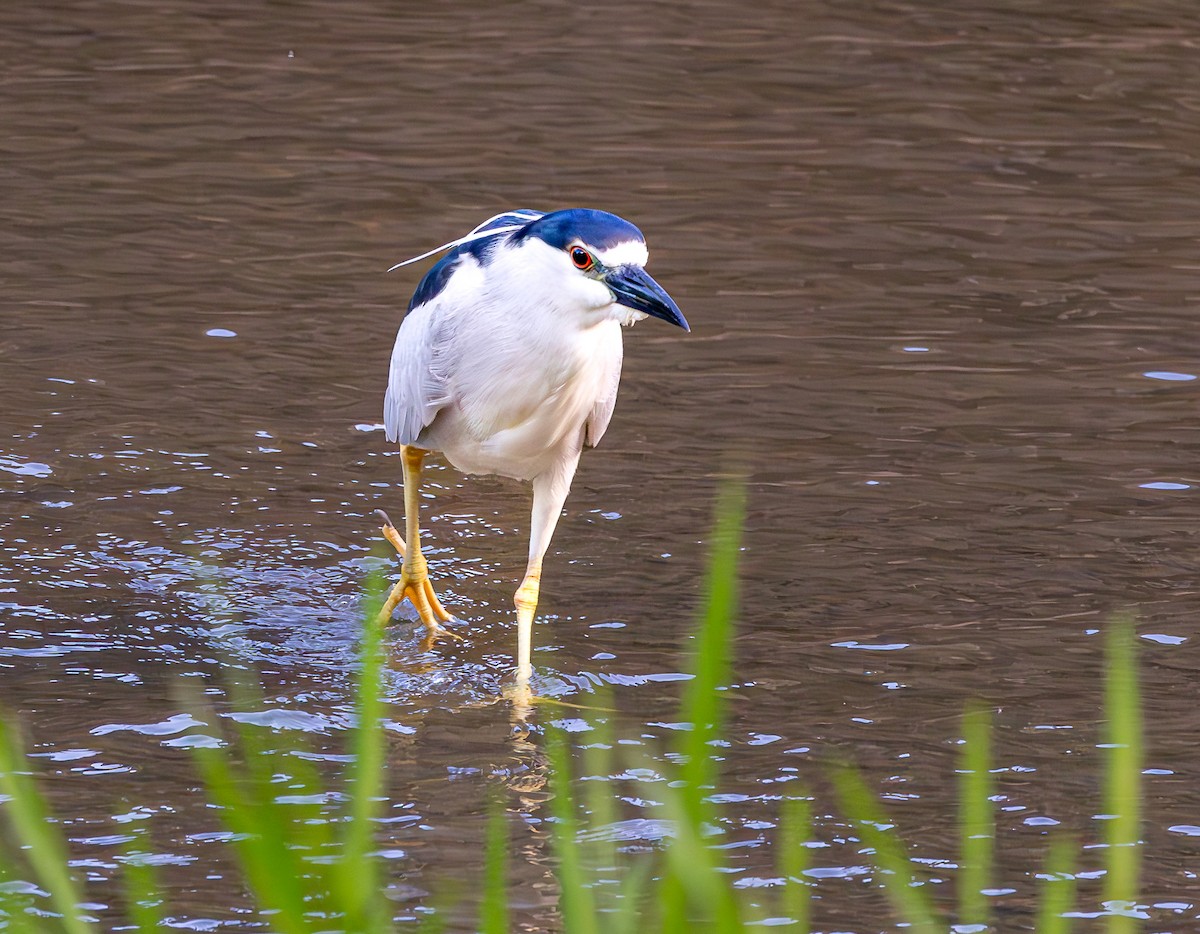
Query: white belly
pixel 521 412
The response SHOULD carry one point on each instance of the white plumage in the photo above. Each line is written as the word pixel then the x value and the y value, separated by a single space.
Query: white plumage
pixel 509 360
pixel 499 392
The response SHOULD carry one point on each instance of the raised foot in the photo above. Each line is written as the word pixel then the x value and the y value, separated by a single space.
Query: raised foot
pixel 390 533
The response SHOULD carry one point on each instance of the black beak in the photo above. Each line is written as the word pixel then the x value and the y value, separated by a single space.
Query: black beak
pixel 632 287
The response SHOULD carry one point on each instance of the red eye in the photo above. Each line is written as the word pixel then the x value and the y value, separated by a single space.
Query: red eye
pixel 582 258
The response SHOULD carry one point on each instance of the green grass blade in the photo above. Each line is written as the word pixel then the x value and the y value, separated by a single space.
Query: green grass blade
pixel 270 873
pixel 672 903
pixel 795 827
pixel 15 917
pixel 576 904
pixel 359 871
pixel 432 923
pixel 911 903
pixel 311 831
pixel 600 853
pixel 493 912
pixel 1057 893
pixel 43 842
pixel 447 896
pixel 695 888
pixel 702 703
pixel 693 882
pixel 273 763
pixel 143 896
pixel 976 816
pixel 1122 779
pixel 273 873
pixel 632 913
pixel 270 755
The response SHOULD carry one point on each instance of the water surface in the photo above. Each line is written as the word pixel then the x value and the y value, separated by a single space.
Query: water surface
pixel 940 263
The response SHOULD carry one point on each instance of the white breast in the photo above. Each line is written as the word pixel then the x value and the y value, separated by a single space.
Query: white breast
pixel 523 391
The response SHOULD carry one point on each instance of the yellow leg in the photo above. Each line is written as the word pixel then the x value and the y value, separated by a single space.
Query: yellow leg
pixel 549 494
pixel 526 600
pixel 414 583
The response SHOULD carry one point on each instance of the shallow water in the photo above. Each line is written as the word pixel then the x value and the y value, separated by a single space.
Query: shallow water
pixel 940 264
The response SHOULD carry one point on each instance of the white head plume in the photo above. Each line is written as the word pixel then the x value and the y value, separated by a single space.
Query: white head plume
pixel 521 218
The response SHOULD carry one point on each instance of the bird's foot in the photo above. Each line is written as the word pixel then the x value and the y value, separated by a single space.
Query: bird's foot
pixel 416 587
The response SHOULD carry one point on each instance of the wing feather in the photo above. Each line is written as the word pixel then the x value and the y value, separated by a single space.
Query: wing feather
pixel 601 415
pixel 419 383
pixel 415 394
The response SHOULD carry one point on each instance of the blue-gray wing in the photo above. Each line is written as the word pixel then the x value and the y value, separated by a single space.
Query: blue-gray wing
pixel 417 388
pixel 418 384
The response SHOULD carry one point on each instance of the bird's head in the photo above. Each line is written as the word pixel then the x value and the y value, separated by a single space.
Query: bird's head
pixel 589 259
pixel 600 259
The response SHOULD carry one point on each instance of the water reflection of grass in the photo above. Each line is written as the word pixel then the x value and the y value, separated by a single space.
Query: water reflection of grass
pixel 310 873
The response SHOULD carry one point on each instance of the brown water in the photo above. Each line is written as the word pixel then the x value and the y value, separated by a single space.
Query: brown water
pixel 941 263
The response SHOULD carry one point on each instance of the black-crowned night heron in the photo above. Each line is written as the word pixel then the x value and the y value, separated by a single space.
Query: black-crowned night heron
pixel 508 362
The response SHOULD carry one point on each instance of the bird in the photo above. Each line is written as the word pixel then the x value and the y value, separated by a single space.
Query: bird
pixel 508 362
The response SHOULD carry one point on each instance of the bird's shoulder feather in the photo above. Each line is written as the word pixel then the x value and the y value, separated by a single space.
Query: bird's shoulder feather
pixel 419 384
pixel 477 244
